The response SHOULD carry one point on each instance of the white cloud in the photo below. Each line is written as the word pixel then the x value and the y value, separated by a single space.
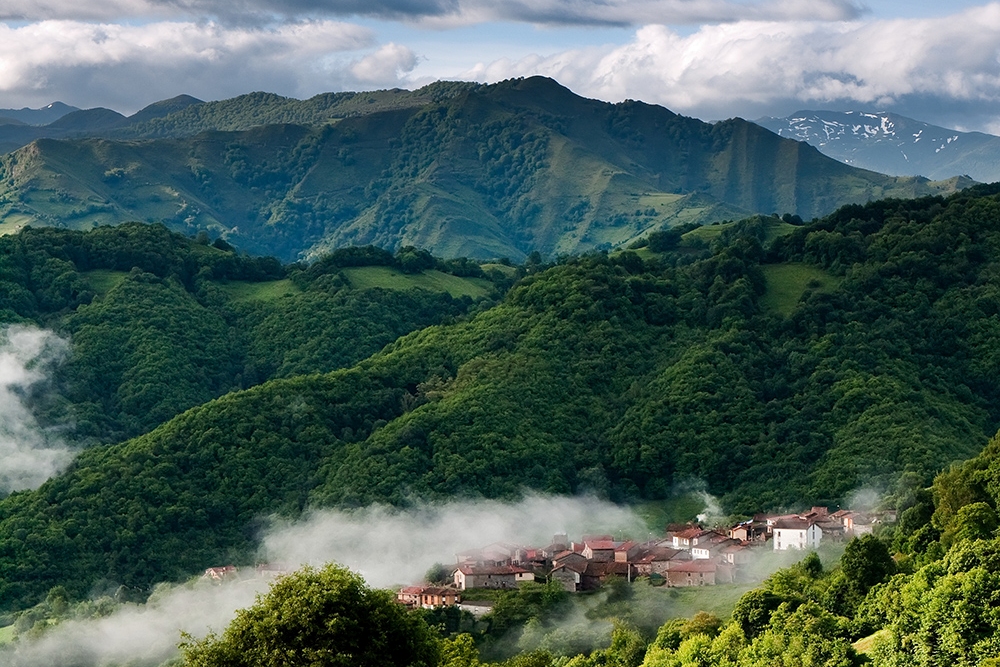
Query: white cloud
pixel 28 454
pixel 386 65
pixel 750 67
pixel 128 66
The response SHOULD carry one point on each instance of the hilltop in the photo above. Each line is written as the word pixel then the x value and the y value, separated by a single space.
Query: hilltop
pixel 459 169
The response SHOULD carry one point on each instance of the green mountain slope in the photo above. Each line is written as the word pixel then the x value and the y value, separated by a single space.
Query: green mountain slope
pixel 613 374
pixel 160 323
pixel 462 170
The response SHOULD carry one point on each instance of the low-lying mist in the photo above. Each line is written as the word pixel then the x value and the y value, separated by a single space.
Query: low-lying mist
pixel 386 546
pixel 29 454
pixel 389 546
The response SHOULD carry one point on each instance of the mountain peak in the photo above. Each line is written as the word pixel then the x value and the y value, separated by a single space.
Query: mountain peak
pixel 892 144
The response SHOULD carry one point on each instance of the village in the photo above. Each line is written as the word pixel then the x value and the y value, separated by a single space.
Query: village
pixel 688 555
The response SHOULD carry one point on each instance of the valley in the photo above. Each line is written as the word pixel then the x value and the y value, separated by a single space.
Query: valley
pixel 266 330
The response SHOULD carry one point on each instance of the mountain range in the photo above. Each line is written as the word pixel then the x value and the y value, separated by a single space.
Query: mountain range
pixel 460 169
pixel 892 144
pixel 47 114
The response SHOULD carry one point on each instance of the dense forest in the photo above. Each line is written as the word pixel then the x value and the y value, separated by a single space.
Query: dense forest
pixel 161 323
pixel 780 364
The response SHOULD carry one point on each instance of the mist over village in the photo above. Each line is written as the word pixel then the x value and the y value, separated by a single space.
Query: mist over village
pixel 497 334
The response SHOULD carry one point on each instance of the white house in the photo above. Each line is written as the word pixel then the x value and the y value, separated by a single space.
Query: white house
pixel 796 533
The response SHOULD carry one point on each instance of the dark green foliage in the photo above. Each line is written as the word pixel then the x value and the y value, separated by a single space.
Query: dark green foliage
pixel 753 611
pixel 606 374
pixel 865 564
pixel 155 330
pixel 320 617
pixel 529 601
pixel 664 241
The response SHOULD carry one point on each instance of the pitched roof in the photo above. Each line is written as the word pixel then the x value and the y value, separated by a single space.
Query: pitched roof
pixel 411 590
pixel 691 533
pixel 692 566
pixel 491 570
pixel 793 523
pixel 601 545
pixel 660 554
pixel 578 566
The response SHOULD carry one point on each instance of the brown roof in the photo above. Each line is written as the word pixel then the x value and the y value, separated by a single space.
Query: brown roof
pixel 625 546
pixel 691 566
pixel 495 570
pixel 601 545
pixel 691 533
pixel 794 523
pixel 573 566
pixel 660 554
pixel 412 590
pixel 564 555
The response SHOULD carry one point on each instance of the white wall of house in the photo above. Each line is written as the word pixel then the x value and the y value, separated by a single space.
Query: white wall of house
pixel 797 538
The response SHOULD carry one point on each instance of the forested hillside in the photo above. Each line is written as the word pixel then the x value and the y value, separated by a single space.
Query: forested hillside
pixel 841 355
pixel 461 170
pixel 160 323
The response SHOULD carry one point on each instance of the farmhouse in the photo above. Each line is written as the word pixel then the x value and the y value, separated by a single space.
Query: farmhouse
pixel 796 533
pixel 490 576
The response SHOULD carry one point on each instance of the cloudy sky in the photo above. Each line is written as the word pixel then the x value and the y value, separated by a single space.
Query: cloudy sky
pixel 712 59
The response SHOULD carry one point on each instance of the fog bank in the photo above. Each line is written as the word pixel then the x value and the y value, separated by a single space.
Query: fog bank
pixel 29 455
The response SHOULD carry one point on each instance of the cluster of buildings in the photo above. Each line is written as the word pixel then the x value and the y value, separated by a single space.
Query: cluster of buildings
pixel 689 555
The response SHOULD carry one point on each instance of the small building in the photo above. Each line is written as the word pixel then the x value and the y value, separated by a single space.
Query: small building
pixel 708 546
pixel 691 573
pixel 570 574
pixel 796 533
pixel 626 552
pixel 656 560
pixel 220 573
pixel 439 596
pixel 490 576
pixel 750 531
pixel 736 554
pixel 565 557
pixel 428 597
pixel 688 537
pixel 409 596
pixel 598 572
pixel 599 550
